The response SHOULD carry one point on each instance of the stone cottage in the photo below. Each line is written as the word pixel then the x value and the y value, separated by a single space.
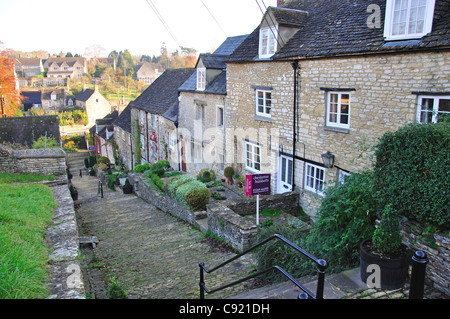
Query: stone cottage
pixel 201 111
pixel 154 119
pixel 95 104
pixel 323 80
pixel 122 135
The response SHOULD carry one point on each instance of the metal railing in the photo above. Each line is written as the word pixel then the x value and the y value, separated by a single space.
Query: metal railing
pixel 306 294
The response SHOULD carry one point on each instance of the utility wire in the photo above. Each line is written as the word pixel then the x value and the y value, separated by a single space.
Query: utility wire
pixel 160 17
pixel 270 28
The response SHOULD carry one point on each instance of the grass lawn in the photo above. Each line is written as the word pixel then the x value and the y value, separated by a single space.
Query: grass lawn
pixel 25 212
pixel 24 178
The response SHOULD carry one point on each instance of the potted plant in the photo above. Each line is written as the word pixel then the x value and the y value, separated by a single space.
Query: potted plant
pixel 127 188
pixel 228 172
pixel 73 192
pixel 386 251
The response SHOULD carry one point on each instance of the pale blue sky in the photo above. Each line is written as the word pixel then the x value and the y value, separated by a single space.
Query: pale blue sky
pixel 72 26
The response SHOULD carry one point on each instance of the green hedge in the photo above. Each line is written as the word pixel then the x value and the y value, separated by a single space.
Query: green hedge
pixel 188 191
pixel 412 172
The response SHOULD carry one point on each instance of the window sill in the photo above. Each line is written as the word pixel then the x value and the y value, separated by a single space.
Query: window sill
pixel 337 129
pixel 262 118
pixel 252 171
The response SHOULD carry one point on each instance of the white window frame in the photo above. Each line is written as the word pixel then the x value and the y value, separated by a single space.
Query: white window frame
pixel 266 103
pixel 200 112
pixel 390 16
pixel 268 41
pixel 252 157
pixel 220 116
pixel 201 79
pixel 435 111
pixel 314 178
pixel 339 114
pixel 342 175
pixel 171 141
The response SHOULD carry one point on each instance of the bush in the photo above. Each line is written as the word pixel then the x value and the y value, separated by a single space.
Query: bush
pixel 183 190
pixel 198 199
pixel 42 142
pixel 229 171
pixel 206 175
pixel 411 172
pixel 387 239
pixel 158 182
pixel 104 160
pixel 141 168
pixel 175 182
pixel 345 217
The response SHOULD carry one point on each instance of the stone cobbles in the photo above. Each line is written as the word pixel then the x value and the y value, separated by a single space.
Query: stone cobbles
pixel 151 254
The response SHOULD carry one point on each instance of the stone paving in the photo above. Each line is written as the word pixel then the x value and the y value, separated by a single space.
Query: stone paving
pixel 149 253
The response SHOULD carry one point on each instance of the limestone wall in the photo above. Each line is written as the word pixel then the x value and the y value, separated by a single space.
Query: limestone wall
pixel 43 161
pixel 437 248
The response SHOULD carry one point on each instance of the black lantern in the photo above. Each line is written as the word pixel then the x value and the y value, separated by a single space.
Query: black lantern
pixel 328 159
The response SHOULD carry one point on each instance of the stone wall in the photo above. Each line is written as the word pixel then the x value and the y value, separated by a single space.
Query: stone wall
pixel 40 161
pixel 25 130
pixel 227 218
pixel 437 248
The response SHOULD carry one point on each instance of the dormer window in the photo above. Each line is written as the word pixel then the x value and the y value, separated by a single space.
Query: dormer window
pixel 201 79
pixel 268 41
pixel 408 19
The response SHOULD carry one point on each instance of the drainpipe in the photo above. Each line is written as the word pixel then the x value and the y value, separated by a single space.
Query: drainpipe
pixel 296 67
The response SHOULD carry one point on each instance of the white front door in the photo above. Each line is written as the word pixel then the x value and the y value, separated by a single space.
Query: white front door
pixel 285 174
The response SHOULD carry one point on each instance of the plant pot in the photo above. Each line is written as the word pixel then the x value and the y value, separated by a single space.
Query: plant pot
pixel 74 195
pixel 122 180
pixel 393 270
pixel 91 173
pixel 127 189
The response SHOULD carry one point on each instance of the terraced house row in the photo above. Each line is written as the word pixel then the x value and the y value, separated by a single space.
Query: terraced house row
pixel 303 95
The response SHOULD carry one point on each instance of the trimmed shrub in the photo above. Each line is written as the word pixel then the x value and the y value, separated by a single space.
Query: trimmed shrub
pixel 206 175
pixel 387 239
pixel 229 171
pixel 158 182
pixel 412 172
pixel 183 190
pixel 176 182
pixel 104 160
pixel 198 199
pixel 141 168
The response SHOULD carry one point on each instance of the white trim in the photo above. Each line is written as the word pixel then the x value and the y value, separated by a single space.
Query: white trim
pixel 254 157
pixel 218 108
pixel 270 35
pixel 314 175
pixel 389 21
pixel 339 114
pixel 201 79
pixel 435 112
pixel 267 107
pixel 284 186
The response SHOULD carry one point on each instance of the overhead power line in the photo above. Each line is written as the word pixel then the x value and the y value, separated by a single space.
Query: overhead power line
pixel 160 17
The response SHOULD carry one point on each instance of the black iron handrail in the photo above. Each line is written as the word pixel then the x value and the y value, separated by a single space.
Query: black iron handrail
pixel 321 267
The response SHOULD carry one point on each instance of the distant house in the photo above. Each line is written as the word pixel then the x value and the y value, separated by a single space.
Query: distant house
pixel 122 136
pixel 95 104
pixel 103 131
pixel 108 62
pixel 31 99
pixel 154 118
pixel 147 73
pixel 57 100
pixel 26 67
pixel 66 67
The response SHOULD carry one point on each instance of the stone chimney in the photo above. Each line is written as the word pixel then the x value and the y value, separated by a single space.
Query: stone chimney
pixel 280 3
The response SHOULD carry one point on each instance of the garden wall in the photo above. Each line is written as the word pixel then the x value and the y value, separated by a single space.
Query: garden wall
pixel 25 130
pixel 437 248
pixel 226 219
pixel 41 161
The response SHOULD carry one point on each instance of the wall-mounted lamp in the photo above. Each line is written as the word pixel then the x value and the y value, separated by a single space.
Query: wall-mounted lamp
pixel 328 159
